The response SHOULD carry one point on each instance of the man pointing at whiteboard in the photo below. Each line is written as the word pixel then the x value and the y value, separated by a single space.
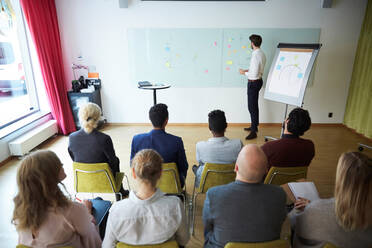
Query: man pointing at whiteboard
pixel 254 75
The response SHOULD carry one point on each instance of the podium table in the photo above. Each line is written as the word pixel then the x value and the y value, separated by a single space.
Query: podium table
pixel 154 88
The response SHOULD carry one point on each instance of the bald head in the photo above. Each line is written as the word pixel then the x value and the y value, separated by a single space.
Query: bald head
pixel 251 165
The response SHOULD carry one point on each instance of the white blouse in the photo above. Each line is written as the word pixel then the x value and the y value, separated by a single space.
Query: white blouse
pixel 152 221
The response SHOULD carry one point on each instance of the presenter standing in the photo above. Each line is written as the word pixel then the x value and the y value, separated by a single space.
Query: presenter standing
pixel 254 75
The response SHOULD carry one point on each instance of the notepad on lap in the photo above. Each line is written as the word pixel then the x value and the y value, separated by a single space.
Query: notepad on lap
pixel 304 189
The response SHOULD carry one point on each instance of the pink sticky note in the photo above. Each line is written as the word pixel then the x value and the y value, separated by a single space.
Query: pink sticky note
pixel 227 68
pixel 229 46
pixel 206 71
pixel 215 43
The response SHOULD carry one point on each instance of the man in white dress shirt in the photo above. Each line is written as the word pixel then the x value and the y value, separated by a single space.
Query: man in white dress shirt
pixel 254 75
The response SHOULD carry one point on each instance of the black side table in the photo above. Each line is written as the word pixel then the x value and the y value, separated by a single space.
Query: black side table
pixel 154 88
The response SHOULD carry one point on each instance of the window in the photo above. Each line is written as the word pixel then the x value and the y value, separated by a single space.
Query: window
pixel 18 95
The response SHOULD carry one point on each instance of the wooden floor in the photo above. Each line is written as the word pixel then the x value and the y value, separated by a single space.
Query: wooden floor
pixel 330 142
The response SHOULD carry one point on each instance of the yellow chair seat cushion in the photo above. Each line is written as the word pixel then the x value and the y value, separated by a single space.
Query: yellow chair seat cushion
pixel 169 244
pixel 269 244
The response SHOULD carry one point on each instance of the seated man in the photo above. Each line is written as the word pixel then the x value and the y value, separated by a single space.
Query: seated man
pixel 245 210
pixel 219 149
pixel 291 150
pixel 169 146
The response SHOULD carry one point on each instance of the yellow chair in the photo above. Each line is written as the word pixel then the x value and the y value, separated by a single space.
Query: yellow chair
pixel 329 245
pixel 170 182
pixel 269 244
pixel 96 178
pixel 212 175
pixel 168 244
pixel 283 175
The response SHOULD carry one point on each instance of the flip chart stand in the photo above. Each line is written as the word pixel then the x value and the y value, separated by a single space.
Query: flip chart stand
pixel 267 138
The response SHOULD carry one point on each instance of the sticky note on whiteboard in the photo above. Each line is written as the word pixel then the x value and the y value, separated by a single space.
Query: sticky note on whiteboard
pixel 229 62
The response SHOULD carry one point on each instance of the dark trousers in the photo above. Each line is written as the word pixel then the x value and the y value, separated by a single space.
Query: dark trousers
pixel 253 89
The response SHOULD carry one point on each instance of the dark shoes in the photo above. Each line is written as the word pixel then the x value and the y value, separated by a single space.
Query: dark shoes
pixel 124 194
pixel 248 129
pixel 195 168
pixel 251 135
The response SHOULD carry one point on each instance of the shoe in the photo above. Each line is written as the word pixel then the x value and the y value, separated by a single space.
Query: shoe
pixel 124 194
pixel 249 129
pixel 251 135
pixel 195 168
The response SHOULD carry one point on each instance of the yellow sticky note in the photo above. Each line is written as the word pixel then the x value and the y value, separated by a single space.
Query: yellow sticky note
pixel 229 62
pixel 235 50
pixel 244 47
pixel 167 64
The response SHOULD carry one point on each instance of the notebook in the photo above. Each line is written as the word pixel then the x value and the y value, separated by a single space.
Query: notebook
pixel 304 189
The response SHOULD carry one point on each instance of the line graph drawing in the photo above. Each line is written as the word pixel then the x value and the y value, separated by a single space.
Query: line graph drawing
pixel 289 73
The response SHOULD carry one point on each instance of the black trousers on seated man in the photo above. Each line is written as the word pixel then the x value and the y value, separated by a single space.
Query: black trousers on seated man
pixel 253 89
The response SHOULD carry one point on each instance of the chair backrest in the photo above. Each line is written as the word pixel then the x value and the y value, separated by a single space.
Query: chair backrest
pixel 170 180
pixel 269 244
pixel 283 175
pixel 216 174
pixel 168 244
pixel 96 178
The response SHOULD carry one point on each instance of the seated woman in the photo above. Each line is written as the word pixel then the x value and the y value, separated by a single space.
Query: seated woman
pixel 148 216
pixel 43 215
pixel 346 219
pixel 88 145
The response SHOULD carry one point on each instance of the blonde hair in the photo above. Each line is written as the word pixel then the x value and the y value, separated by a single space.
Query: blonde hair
pixel 37 180
pixel 89 116
pixel 147 165
pixel 353 191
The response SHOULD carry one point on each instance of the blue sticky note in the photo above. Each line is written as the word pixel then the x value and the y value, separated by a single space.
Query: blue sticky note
pixel 167 49
pixel 282 58
pixel 278 67
pixel 300 75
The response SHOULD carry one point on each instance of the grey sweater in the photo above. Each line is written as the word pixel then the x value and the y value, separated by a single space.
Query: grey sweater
pixel 317 225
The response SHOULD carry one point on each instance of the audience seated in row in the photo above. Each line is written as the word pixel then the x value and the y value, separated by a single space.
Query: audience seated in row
pixel 346 219
pixel 148 216
pixel 245 210
pixel 218 149
pixel 291 150
pixel 88 145
pixel 169 146
pixel 43 215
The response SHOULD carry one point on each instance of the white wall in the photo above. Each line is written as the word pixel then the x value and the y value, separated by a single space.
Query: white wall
pixel 96 29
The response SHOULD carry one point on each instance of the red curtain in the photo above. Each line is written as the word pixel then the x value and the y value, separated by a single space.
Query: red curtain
pixel 41 16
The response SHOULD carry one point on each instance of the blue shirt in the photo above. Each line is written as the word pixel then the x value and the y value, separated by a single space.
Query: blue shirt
pixel 169 146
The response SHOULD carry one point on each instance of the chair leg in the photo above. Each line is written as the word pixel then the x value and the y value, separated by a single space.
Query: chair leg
pixel 184 196
pixel 193 214
pixel 126 177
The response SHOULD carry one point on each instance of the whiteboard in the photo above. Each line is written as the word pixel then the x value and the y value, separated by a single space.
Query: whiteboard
pixel 203 57
pixel 289 73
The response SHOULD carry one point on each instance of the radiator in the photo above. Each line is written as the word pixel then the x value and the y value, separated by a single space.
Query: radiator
pixel 26 142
